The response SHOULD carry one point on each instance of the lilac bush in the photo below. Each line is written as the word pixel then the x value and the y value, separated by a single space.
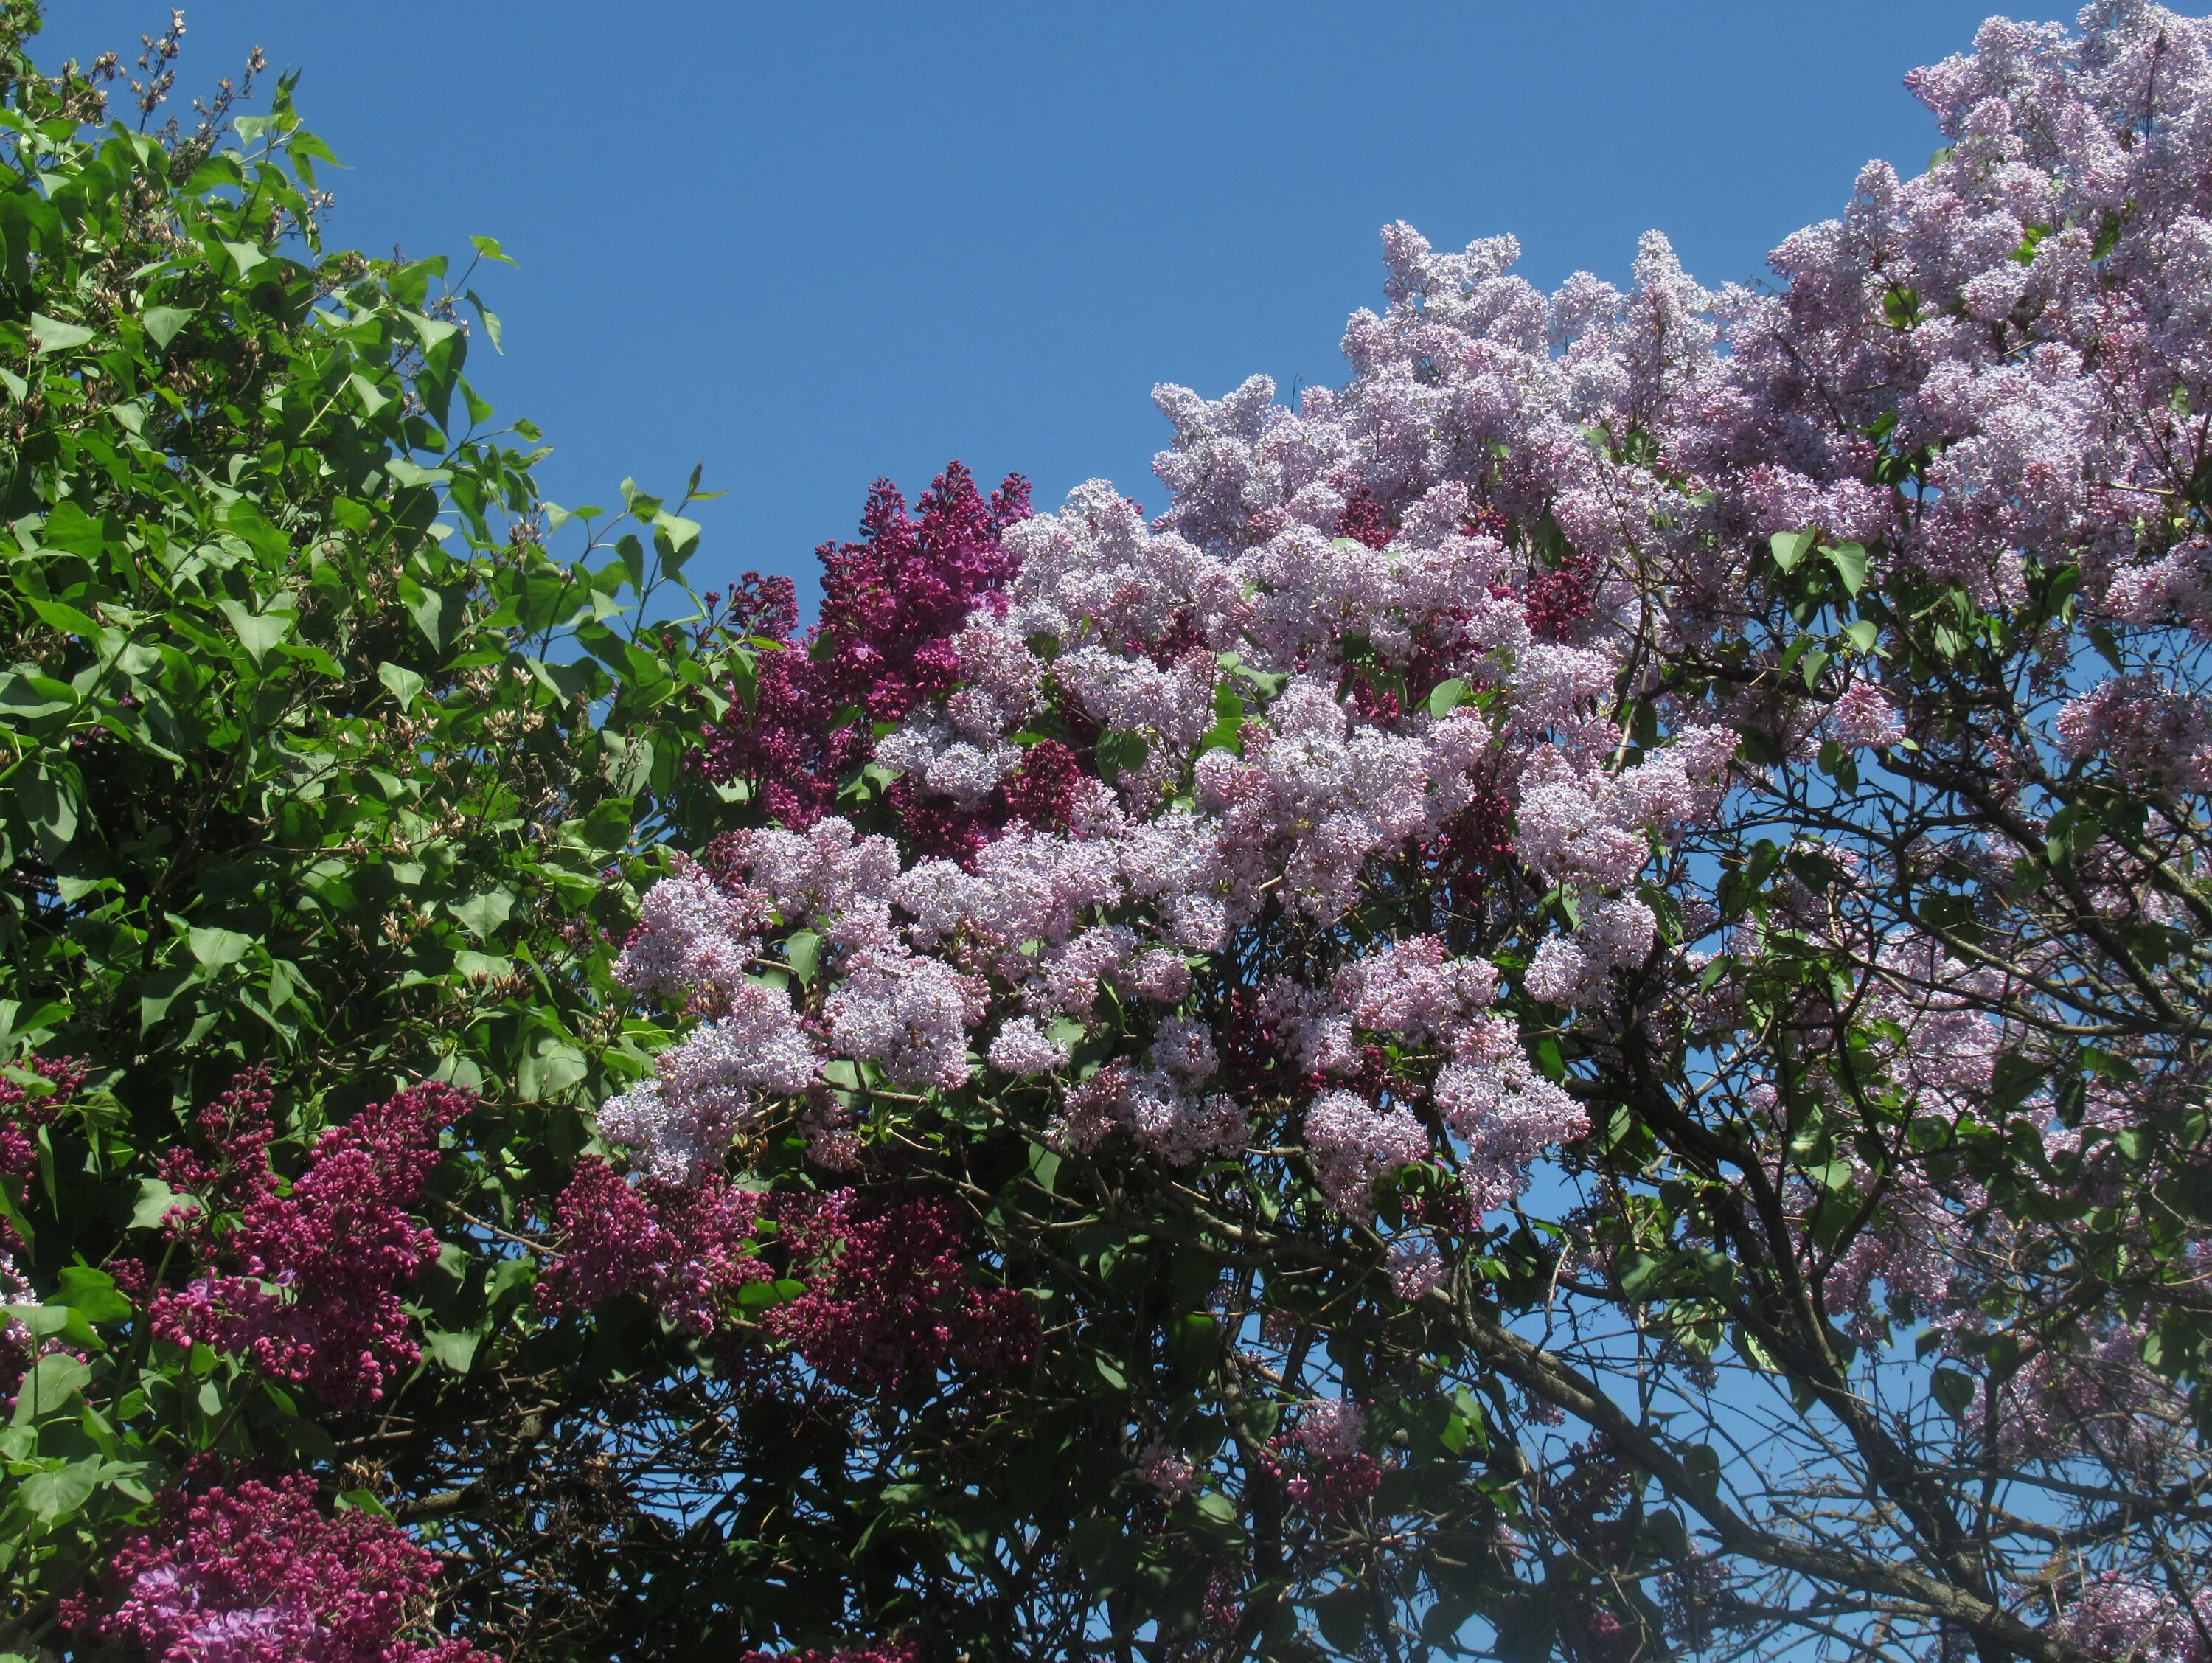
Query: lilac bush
pixel 1724 767
pixel 1562 1013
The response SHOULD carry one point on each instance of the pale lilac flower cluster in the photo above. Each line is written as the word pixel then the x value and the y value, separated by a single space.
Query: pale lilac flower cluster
pixel 1416 1269
pixel 1155 1107
pixel 1167 1469
pixel 2151 735
pixel 1863 719
pixel 1353 1141
pixel 1336 1473
pixel 2119 1619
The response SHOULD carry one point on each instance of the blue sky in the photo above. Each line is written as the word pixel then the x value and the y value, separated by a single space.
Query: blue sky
pixel 809 245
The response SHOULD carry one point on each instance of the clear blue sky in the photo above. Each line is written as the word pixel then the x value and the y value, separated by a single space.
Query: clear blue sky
pixel 812 244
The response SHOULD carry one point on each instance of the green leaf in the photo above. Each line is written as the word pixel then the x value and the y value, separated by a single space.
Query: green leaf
pixel 1342 1618
pixel 1791 548
pixel 54 1379
pixel 759 1295
pixel 93 1293
pixel 54 1496
pixel 161 324
pixel 1444 698
pixel 155 1200
pixel 803 951
pixel 246 256
pixel 482 913
pixel 1954 1391
pixel 411 474
pixel 306 1439
pixel 406 685
pixel 256 631
pixel 52 335
pixel 683 537
pixel 439 613
pixel 453 1351
pixel 216 947
pixel 1850 561
pixel 553 1068
pixel 1120 754
pixel 489 248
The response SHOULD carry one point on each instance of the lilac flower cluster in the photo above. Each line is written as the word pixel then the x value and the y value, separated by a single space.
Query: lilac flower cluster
pixel 893 604
pixel 1420 625
pixel 2118 1619
pixel 890 1298
pixel 306 1279
pixel 687 1250
pixel 257 1573
pixel 1333 1474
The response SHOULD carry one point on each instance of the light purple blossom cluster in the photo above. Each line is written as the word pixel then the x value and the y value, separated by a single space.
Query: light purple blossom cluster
pixel 2119 1619
pixel 1166 1469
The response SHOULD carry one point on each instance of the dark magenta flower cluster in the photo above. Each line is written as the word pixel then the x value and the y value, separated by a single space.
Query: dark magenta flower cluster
pixel 306 1278
pixel 686 1250
pixel 890 1298
pixel 257 1573
pixel 893 604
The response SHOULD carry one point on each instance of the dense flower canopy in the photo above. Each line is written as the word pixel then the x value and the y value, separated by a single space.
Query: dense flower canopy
pixel 1564 1012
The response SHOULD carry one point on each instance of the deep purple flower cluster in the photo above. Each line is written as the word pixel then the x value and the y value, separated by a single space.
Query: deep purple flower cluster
pixel 257 1573
pixel 890 1301
pixel 891 605
pixel 22 1111
pixel 307 1281
pixel 684 1249
pixel 889 1298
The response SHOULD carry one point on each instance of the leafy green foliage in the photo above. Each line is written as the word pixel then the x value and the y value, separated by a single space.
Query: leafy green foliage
pixel 314 754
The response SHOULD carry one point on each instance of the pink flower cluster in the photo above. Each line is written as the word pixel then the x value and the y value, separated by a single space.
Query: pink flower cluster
pixel 257 1573
pixel 307 1278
